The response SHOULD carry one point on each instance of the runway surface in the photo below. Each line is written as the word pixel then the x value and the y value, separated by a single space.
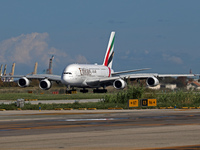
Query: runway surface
pixel 100 129
pixel 52 101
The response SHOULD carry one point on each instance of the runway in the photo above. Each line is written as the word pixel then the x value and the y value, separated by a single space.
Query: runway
pixel 100 129
pixel 52 101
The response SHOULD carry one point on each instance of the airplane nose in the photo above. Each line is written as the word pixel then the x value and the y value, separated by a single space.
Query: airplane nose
pixel 64 79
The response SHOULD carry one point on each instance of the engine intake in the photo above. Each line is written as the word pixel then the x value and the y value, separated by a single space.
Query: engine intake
pixel 119 84
pixel 45 84
pixel 152 81
pixel 23 82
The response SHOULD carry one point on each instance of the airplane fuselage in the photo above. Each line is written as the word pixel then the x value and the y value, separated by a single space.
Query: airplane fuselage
pixel 79 75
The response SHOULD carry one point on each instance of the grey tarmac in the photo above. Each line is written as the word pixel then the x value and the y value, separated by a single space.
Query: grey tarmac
pixel 100 129
pixel 52 101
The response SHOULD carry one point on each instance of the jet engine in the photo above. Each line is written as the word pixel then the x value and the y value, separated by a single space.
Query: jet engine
pixel 45 84
pixel 23 82
pixel 119 84
pixel 152 81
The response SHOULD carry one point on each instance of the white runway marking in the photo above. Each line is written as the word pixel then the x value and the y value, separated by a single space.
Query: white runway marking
pixel 102 119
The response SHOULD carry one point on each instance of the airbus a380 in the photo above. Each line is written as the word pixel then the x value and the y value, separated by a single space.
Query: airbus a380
pixel 93 75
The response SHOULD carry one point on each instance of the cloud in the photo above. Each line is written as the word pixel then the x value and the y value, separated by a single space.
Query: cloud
pixel 173 59
pixel 134 55
pixel 80 59
pixel 146 52
pixel 27 49
pixel 127 52
pixel 125 55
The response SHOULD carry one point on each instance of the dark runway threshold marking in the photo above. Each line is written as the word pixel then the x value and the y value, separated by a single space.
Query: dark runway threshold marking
pixel 190 147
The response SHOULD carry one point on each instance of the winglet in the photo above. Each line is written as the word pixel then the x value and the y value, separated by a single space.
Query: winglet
pixel 110 53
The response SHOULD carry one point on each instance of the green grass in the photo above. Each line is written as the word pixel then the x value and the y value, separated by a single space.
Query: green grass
pixel 14 93
pixel 76 105
pixel 179 98
pixel 15 96
pixel 116 99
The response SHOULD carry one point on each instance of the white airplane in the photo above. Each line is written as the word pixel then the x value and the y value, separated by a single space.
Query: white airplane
pixel 94 76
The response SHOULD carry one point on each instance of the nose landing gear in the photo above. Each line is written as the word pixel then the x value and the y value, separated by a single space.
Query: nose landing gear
pixel 73 91
pixel 70 91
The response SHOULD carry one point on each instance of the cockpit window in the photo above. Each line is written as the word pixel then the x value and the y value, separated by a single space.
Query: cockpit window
pixel 67 73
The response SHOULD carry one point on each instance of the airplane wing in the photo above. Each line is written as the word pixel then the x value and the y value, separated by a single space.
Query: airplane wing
pixel 177 75
pixel 147 75
pixel 50 77
pixel 45 80
pixel 127 71
pixel 144 76
pixel 152 79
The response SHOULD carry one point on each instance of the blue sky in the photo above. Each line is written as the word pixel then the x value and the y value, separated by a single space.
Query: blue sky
pixel 162 35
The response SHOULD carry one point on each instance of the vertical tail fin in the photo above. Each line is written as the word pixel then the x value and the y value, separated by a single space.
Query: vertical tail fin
pixel 110 51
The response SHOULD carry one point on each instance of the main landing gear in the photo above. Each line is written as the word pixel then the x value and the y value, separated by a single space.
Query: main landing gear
pixel 84 90
pixel 73 91
pixel 100 91
pixel 94 91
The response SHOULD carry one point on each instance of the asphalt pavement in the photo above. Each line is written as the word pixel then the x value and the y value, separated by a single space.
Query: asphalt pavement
pixel 100 129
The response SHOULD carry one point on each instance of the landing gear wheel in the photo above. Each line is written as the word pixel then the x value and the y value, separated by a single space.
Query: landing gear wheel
pixel 84 91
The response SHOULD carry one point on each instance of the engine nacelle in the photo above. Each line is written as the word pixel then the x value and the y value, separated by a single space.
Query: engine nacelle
pixel 45 84
pixel 23 82
pixel 152 81
pixel 119 84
